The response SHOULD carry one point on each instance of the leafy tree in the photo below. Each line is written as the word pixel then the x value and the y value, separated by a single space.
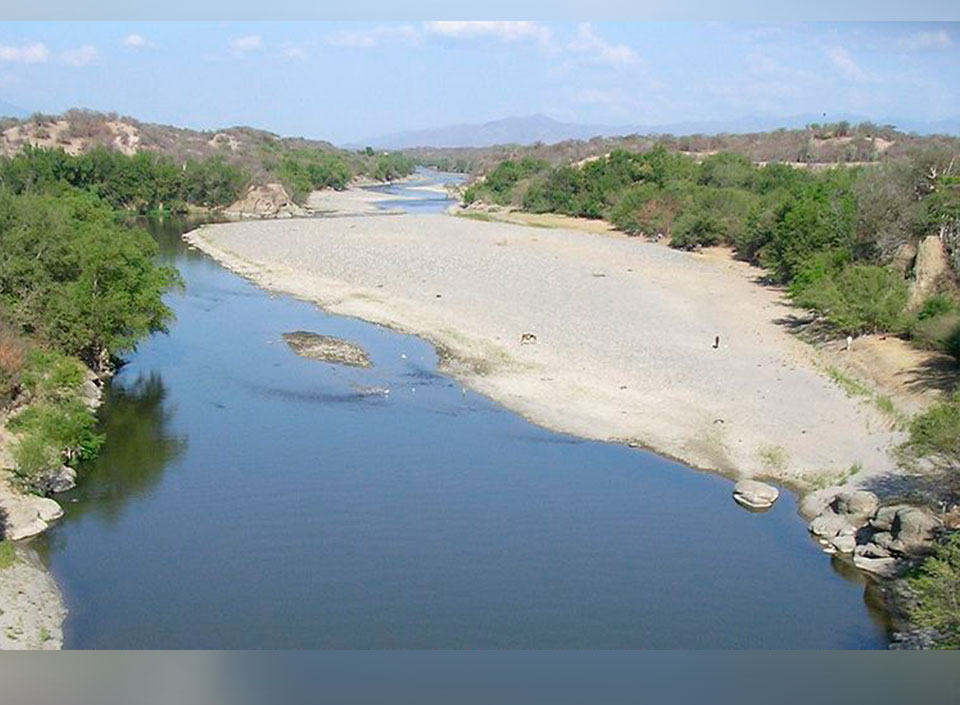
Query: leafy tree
pixel 72 276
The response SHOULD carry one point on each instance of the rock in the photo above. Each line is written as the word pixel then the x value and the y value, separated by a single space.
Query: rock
pixel 58 479
pixel 844 542
pixel 914 528
pixel 885 567
pixel 814 503
pixel 266 201
pixel 754 494
pixel 904 257
pixel 871 550
pixel 327 349
pixel 27 515
pixel 830 524
pixel 90 392
pixel 928 272
pixel 857 506
pixel 883 519
pixel 903 529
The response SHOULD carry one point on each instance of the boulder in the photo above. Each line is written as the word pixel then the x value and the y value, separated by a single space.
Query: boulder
pixel 857 506
pixel 265 201
pixel 327 349
pixel 58 479
pixel 885 567
pixel 27 515
pixel 871 550
pixel 914 528
pixel 929 270
pixel 754 494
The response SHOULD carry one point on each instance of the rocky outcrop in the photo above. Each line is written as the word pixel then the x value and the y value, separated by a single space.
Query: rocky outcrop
pixel 753 494
pixel 929 271
pixel 879 539
pixel 327 349
pixel 24 515
pixel 267 201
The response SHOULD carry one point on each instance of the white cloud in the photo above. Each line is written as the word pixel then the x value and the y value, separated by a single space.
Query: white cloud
pixel 292 51
pixel 366 38
pixel 26 54
pixel 241 45
pixel 845 64
pixel 507 31
pixel 591 44
pixel 136 40
pixel 82 56
pixel 926 40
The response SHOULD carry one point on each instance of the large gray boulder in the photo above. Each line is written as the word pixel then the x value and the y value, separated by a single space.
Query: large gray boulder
pixel 754 494
pixel 904 529
pixel 857 506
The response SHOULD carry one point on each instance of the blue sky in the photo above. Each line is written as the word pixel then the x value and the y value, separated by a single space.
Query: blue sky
pixel 344 81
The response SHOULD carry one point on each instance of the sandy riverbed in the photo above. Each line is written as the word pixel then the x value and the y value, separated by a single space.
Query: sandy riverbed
pixel 625 334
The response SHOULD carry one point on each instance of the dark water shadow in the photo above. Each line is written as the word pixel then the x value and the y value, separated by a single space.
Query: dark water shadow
pixel 135 412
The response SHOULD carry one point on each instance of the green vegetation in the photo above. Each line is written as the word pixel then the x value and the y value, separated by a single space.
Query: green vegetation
pixel 8 554
pixel 937 584
pixel 57 427
pixel 500 183
pixel 76 288
pixel 142 182
pixel 935 437
pixel 302 171
pixel 74 279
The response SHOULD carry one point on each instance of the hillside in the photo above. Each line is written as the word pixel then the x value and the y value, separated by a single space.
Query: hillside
pixel 257 158
pixel 812 145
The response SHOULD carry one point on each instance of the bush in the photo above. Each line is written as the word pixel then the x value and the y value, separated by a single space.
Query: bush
pixel 73 277
pixel 857 299
pixel 935 436
pixel 937 584
pixel 696 229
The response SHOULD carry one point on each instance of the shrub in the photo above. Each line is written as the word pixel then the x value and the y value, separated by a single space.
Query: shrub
pixel 696 229
pixel 857 299
pixel 937 585
pixel 935 436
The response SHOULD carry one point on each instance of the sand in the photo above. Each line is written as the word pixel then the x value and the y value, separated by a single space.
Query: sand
pixel 625 334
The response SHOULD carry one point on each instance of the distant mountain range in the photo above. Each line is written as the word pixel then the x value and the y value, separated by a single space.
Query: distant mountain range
pixel 541 128
pixel 10 110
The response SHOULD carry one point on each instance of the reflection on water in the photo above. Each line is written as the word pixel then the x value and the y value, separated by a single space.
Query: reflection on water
pixel 137 422
pixel 251 498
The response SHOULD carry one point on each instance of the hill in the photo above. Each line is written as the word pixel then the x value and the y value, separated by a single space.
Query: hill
pixel 530 129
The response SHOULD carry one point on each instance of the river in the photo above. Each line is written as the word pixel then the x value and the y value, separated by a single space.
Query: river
pixel 250 498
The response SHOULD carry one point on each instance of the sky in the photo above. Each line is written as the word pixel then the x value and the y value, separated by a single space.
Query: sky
pixel 343 81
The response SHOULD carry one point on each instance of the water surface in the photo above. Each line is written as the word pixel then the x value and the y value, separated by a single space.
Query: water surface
pixel 250 498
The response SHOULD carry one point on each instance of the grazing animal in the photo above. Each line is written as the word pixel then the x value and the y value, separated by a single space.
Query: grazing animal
pixel 849 343
pixel 716 342
pixel 528 339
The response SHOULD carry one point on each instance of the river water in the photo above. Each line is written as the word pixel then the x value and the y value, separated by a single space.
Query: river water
pixel 250 498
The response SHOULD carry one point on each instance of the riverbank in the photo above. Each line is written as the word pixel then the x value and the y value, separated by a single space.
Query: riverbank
pixel 623 343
